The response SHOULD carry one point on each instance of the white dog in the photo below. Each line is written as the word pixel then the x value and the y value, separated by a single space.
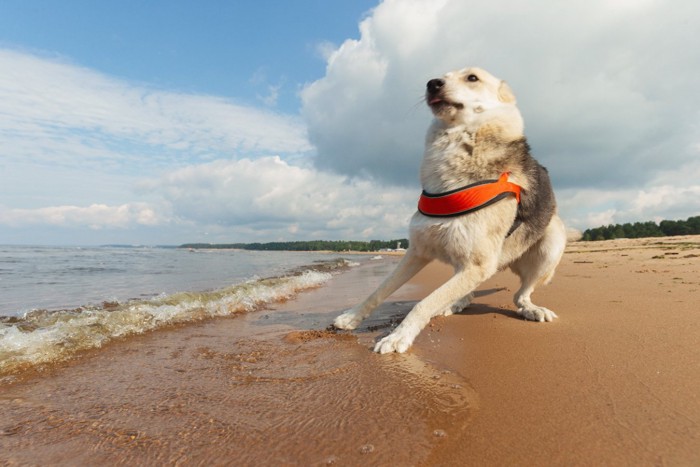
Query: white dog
pixel 486 205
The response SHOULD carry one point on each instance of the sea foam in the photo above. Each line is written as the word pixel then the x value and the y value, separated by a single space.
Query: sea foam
pixel 42 337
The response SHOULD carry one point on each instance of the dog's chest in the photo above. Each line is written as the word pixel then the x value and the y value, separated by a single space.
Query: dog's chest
pixel 448 240
pixel 452 161
pixel 455 240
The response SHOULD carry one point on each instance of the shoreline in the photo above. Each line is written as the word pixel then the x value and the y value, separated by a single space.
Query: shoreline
pixel 612 381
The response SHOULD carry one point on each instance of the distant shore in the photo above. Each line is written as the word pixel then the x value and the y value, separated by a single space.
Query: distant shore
pixel 340 246
pixel 347 252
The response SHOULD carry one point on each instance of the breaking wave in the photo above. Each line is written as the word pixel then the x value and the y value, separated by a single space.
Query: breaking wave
pixel 43 337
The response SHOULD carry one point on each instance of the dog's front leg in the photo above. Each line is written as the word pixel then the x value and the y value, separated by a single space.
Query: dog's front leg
pixel 436 303
pixel 408 267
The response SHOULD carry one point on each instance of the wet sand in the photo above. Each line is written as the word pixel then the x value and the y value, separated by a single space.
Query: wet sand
pixel 612 382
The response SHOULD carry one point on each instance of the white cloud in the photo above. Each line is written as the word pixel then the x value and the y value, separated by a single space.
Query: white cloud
pixel 273 93
pixel 607 89
pixel 74 142
pixel 325 49
pixel 95 216
pixel 70 133
pixel 262 199
pixel 671 194
pixel 277 200
pixel 59 113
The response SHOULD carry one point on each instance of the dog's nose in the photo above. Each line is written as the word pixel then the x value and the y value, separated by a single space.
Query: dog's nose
pixel 434 85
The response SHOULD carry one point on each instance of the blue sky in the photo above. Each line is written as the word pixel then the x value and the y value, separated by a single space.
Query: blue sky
pixel 166 122
pixel 233 49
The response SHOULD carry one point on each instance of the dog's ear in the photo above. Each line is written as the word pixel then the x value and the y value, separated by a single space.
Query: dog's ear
pixel 505 94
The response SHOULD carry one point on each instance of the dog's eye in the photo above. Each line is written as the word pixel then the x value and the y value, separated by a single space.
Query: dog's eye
pixel 472 78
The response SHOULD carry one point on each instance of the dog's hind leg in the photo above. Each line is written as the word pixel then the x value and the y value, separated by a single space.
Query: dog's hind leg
pixel 408 267
pixel 537 267
pixel 457 306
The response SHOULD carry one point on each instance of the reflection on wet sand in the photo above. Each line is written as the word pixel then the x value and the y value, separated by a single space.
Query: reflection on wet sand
pixel 262 389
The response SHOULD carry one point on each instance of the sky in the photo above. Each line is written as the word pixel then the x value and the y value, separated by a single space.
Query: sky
pixel 166 122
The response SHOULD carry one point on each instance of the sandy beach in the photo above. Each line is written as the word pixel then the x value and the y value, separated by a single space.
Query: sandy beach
pixel 613 381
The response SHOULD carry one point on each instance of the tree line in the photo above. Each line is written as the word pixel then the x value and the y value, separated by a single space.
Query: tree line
pixel 691 226
pixel 312 245
pixel 665 228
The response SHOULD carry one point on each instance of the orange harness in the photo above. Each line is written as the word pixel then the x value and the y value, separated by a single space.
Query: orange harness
pixel 469 198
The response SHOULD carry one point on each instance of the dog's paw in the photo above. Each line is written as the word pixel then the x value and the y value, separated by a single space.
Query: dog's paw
pixel 537 313
pixel 398 341
pixel 348 320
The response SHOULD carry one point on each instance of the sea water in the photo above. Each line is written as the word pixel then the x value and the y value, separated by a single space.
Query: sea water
pixel 56 301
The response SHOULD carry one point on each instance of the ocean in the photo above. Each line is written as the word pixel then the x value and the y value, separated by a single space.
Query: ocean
pixel 57 301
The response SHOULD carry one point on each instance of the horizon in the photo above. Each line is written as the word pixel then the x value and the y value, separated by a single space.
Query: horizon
pixel 189 243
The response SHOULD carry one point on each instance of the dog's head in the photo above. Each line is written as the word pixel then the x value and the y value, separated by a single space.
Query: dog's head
pixel 472 97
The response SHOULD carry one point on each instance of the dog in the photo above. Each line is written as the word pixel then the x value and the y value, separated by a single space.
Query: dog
pixel 476 140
